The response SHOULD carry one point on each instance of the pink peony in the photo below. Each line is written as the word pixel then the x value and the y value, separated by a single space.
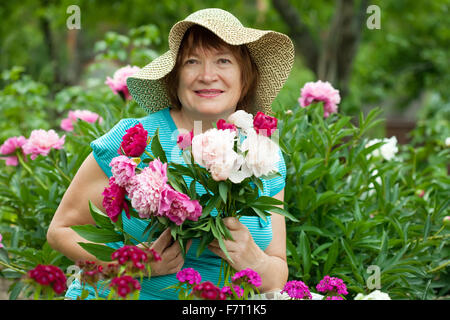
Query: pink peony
pixel 84 115
pixel 189 275
pixel 184 140
pixel 11 160
pixel 177 206
pixel 227 290
pixel 264 124
pixel 145 188
pixel 207 290
pixel 41 142
pixel 223 125
pixel 123 169
pixel 1 238
pixel 49 275
pixel 332 285
pixel 118 83
pixel 134 141
pixel 125 285
pixel 320 91
pixel 297 290
pixel 12 144
pixel 247 275
pixel 114 200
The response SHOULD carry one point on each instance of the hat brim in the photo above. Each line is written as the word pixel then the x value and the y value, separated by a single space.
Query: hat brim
pixel 272 52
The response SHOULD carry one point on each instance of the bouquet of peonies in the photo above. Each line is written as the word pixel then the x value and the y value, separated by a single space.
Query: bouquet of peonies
pixel 228 161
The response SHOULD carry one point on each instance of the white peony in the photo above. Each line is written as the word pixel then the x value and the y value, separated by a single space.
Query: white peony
pixel 447 142
pixel 241 119
pixel 374 295
pixel 262 154
pixel 214 150
pixel 387 150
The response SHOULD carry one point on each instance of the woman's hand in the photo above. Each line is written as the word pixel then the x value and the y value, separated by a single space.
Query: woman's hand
pixel 243 250
pixel 171 256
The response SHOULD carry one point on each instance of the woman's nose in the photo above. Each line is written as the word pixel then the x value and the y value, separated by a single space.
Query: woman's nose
pixel 207 72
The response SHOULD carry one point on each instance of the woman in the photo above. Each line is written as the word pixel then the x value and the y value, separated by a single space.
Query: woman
pixel 214 67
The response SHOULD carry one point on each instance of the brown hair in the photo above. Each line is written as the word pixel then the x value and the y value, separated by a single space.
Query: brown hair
pixel 198 36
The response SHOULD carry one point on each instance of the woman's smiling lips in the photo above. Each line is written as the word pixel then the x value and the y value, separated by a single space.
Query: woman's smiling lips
pixel 208 93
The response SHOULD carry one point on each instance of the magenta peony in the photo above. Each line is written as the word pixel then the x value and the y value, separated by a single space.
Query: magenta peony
pixel 118 83
pixel 114 200
pixel 145 188
pixel 320 91
pixel 125 285
pixel 247 275
pixel 223 125
pixel 297 290
pixel 123 170
pixel 41 142
pixel 1 238
pixel 264 124
pixel 177 206
pixel 134 141
pixel 49 275
pixel 84 115
pixel 207 290
pixel 189 275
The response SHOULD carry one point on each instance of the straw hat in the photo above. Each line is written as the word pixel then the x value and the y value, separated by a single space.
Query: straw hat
pixel 272 52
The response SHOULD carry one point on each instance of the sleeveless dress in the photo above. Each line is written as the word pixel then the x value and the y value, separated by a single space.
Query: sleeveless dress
pixel 207 264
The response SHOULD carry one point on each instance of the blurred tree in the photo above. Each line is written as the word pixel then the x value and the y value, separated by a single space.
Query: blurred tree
pixel 331 56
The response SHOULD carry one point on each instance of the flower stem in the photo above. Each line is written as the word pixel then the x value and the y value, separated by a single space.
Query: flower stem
pixel 30 172
pixel 11 267
pixel 147 153
pixel 59 170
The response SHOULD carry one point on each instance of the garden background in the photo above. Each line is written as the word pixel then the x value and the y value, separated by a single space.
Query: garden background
pixel 356 209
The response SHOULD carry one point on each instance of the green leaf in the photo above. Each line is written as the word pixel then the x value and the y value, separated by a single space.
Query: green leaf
pixel 223 191
pixel 333 253
pixel 94 234
pixel 101 219
pixel 305 252
pixel 284 213
pixel 101 252
pixel 157 149
pixel 293 251
pixel 349 252
pixel 210 206
pixel 262 214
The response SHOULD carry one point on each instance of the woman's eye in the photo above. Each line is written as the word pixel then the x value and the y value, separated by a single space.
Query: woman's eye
pixel 190 61
pixel 223 60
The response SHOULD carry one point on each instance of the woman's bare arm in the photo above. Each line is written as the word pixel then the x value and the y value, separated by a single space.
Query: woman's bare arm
pixel 88 184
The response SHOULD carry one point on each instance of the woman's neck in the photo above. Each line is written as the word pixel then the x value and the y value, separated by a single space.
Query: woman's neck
pixel 186 121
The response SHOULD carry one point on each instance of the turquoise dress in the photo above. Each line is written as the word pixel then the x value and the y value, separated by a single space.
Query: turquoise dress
pixel 207 264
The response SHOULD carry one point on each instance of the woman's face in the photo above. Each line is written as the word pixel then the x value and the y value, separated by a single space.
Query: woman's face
pixel 210 82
